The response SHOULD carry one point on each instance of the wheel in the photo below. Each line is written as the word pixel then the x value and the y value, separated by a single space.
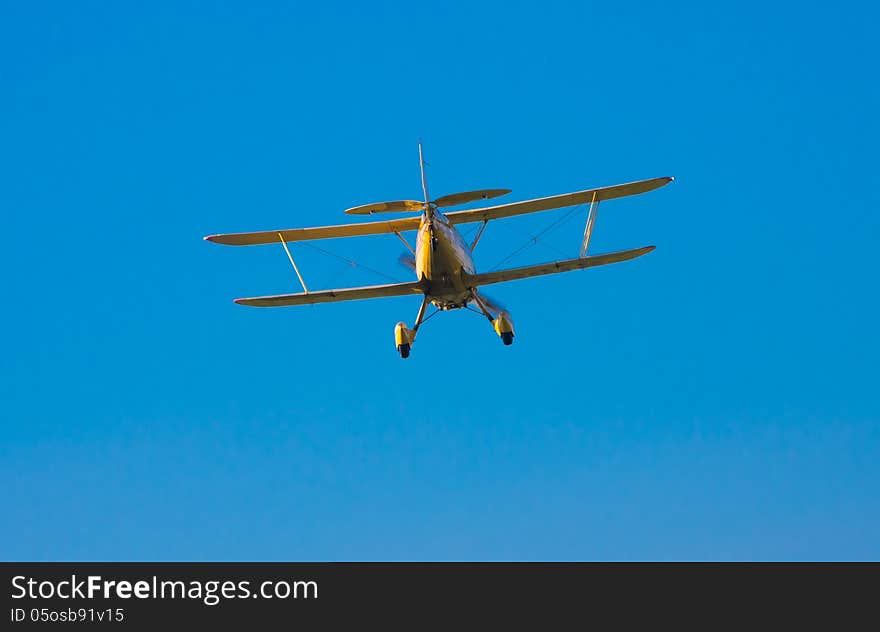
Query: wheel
pixel 403 350
pixel 507 337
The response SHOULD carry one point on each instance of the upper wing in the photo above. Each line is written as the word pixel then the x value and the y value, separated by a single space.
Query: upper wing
pixel 455 217
pixel 318 232
pixel 332 296
pixel 553 267
pixel 556 201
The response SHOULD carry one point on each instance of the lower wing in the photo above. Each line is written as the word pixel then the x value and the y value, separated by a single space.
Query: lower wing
pixel 418 287
pixel 486 278
pixel 333 296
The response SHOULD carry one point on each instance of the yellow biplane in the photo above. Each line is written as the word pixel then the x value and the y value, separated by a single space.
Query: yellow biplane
pixel 442 260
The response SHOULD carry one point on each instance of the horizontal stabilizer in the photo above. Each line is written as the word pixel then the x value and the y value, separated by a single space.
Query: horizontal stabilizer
pixel 398 206
pixel 469 196
pixel 333 296
pixel 554 267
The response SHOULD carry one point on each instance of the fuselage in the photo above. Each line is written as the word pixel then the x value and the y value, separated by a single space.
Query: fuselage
pixel 441 257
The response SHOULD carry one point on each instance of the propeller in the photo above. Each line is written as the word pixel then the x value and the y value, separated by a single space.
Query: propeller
pixel 407 261
pixel 492 304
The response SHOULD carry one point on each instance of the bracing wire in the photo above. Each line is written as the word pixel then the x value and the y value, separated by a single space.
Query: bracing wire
pixel 475 311
pixel 534 239
pixel 531 242
pixel 351 262
pixel 429 317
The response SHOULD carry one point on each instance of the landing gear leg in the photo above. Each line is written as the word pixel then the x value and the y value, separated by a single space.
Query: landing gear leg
pixel 405 337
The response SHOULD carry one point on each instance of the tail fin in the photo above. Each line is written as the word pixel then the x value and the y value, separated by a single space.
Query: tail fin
pixel 424 181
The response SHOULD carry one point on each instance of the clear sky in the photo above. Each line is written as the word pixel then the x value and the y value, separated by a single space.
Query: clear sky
pixel 715 399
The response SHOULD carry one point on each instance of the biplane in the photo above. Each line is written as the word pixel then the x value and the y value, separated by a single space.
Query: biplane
pixel 441 258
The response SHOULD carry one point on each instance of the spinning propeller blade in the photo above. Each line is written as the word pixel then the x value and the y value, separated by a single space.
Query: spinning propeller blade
pixel 407 261
pixel 492 304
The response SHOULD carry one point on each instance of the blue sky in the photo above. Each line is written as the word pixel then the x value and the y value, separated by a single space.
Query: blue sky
pixel 716 399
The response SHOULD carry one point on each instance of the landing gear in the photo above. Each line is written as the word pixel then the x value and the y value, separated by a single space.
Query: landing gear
pixel 507 338
pixel 404 337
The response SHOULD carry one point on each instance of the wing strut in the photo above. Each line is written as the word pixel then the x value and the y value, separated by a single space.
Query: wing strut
pixel 293 263
pixel 588 228
pixel 420 317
